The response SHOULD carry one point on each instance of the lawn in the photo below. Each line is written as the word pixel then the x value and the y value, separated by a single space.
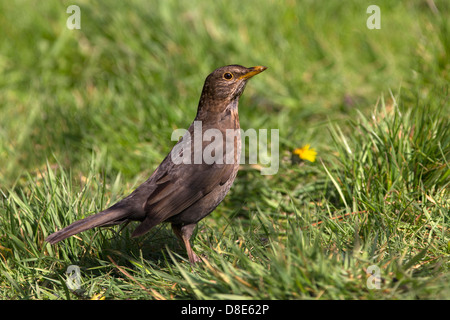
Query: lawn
pixel 87 114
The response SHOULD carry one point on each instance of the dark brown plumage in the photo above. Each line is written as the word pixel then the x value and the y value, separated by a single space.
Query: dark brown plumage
pixel 184 193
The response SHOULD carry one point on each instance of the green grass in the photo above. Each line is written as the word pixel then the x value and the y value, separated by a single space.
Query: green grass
pixel 86 115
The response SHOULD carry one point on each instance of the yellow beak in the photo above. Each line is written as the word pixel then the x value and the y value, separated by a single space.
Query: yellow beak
pixel 253 71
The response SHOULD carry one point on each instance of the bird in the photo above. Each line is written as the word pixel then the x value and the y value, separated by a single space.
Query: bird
pixel 184 192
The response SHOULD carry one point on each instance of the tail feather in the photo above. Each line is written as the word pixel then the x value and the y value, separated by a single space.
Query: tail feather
pixel 109 216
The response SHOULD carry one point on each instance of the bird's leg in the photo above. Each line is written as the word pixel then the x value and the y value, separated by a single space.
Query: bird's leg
pixel 184 233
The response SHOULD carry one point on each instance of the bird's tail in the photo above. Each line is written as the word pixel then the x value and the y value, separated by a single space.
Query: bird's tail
pixel 109 216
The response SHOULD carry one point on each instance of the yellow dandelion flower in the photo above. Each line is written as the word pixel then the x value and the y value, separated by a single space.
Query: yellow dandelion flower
pixel 305 153
pixel 98 296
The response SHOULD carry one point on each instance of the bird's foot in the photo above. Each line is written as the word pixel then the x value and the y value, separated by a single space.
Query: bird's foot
pixel 193 258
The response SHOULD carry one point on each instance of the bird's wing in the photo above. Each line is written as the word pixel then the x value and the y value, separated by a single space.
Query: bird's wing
pixel 180 186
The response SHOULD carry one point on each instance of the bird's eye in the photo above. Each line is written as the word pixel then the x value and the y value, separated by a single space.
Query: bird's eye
pixel 228 76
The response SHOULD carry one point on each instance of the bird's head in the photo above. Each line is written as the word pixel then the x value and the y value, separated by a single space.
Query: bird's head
pixel 224 86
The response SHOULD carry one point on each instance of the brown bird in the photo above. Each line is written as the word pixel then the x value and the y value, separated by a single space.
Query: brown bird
pixel 196 175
